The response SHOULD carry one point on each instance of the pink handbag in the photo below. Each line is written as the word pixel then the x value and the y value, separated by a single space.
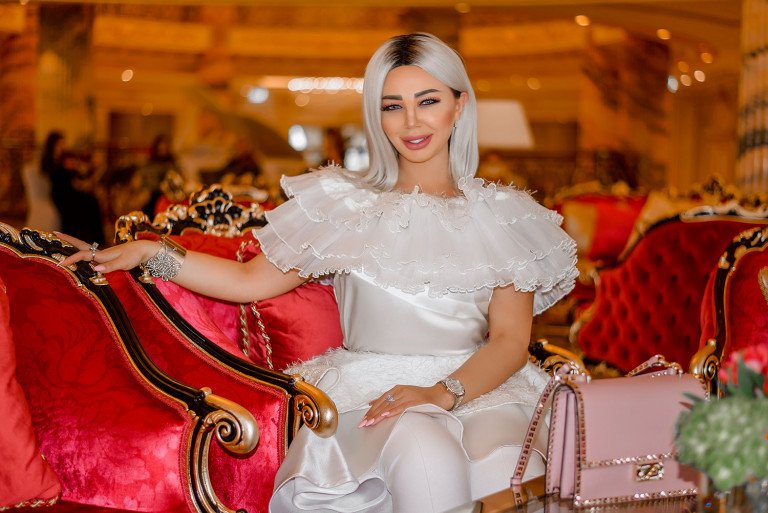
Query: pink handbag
pixel 612 440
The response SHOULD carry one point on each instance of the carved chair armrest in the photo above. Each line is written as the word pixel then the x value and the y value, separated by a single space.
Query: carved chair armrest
pixel 551 357
pixel 234 427
pixel 705 364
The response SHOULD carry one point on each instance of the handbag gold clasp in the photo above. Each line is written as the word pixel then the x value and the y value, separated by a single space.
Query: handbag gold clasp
pixel 652 471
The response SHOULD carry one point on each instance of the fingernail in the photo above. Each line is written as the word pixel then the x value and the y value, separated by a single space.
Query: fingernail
pixel 385 414
pixel 362 424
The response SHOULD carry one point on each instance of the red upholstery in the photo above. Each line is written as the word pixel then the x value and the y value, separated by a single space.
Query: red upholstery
pixel 242 483
pixel 301 323
pixel 614 218
pixel 745 306
pixel 649 302
pixel 112 440
pixel 25 477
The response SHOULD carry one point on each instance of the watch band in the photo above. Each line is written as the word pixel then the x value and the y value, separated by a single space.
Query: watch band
pixel 455 387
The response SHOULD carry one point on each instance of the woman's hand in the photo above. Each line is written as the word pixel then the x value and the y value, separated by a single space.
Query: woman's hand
pixel 395 401
pixel 123 256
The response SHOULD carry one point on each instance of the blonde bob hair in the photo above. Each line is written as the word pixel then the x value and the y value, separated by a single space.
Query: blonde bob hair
pixel 442 62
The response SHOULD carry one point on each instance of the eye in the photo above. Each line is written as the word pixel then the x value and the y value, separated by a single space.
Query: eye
pixel 429 101
pixel 391 106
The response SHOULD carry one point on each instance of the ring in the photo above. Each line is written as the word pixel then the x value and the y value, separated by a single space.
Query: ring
pixel 389 398
pixel 93 250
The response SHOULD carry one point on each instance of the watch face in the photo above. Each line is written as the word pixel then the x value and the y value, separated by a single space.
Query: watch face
pixel 454 386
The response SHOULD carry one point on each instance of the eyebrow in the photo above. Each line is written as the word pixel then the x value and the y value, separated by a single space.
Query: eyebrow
pixel 417 95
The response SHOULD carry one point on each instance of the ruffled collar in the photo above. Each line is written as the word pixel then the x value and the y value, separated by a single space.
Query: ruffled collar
pixel 487 237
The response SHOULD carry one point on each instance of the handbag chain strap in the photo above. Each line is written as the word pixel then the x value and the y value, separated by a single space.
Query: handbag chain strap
pixel 533 426
pixel 245 336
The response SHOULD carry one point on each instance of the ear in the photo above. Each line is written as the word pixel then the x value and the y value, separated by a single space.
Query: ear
pixel 460 101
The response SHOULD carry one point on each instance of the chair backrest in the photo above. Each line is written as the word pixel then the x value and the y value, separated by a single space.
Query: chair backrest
pixel 117 430
pixel 734 312
pixel 648 303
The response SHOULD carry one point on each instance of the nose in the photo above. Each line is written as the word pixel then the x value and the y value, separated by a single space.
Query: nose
pixel 411 118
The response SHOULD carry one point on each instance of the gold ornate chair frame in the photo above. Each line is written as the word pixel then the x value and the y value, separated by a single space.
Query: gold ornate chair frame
pixel 233 427
pixel 706 362
pixel 212 211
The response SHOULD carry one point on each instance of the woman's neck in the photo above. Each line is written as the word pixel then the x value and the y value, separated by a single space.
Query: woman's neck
pixel 430 177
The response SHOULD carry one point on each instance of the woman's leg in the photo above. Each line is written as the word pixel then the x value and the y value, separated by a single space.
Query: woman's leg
pixel 424 466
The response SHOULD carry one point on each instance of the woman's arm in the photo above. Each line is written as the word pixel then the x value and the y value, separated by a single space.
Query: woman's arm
pixel 216 277
pixel 510 318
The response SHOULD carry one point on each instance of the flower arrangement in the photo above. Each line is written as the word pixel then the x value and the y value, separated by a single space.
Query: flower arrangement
pixel 727 439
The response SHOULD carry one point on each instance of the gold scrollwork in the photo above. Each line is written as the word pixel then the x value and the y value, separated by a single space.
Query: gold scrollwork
pixel 237 432
pixel 313 408
pixel 649 471
pixel 705 364
pixel 762 279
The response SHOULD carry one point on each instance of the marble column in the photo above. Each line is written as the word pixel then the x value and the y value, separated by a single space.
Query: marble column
pixel 752 167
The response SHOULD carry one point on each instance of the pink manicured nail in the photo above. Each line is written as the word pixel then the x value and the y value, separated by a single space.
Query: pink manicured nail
pixel 385 414
pixel 98 268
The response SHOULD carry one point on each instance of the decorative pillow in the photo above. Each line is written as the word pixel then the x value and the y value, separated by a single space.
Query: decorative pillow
pixel 26 479
pixel 300 324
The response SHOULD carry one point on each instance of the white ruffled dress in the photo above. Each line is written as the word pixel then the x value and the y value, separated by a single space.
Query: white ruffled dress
pixel 413 277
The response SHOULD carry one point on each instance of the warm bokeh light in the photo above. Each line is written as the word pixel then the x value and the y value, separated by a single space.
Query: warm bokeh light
pixel 147 109
pixel 483 85
pixel 663 34
pixel 127 75
pixel 683 66
pixel 707 58
pixel 699 75
pixel 463 7
pixel 302 100
pixel 685 80
pixel 582 20
pixel 534 83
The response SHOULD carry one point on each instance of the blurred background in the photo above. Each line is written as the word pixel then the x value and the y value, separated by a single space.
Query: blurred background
pixel 147 96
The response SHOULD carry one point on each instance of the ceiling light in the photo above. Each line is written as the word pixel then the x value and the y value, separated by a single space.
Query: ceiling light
pixel 663 34
pixel 463 7
pixel 699 75
pixel 582 21
pixel 707 57
pixel 683 66
pixel 672 84
pixel 127 75
pixel 533 83
pixel 685 79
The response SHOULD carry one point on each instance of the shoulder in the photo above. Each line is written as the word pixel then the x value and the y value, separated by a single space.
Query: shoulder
pixel 508 203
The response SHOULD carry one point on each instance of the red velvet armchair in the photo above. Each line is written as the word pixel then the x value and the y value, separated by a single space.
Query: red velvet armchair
pixel 734 312
pixel 125 403
pixel 649 302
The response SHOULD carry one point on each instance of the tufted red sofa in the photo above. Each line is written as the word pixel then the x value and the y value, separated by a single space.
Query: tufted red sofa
pixel 734 312
pixel 649 302
pixel 121 397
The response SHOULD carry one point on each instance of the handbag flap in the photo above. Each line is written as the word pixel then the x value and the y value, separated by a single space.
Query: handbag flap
pixel 629 419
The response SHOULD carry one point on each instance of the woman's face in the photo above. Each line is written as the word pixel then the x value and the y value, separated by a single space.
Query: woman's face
pixel 418 113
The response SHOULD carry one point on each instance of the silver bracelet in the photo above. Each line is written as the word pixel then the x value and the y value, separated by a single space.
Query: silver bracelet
pixel 166 263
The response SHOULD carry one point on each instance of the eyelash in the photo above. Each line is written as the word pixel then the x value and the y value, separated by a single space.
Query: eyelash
pixel 425 102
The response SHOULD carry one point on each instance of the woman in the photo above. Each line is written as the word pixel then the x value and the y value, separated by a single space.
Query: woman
pixel 437 276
